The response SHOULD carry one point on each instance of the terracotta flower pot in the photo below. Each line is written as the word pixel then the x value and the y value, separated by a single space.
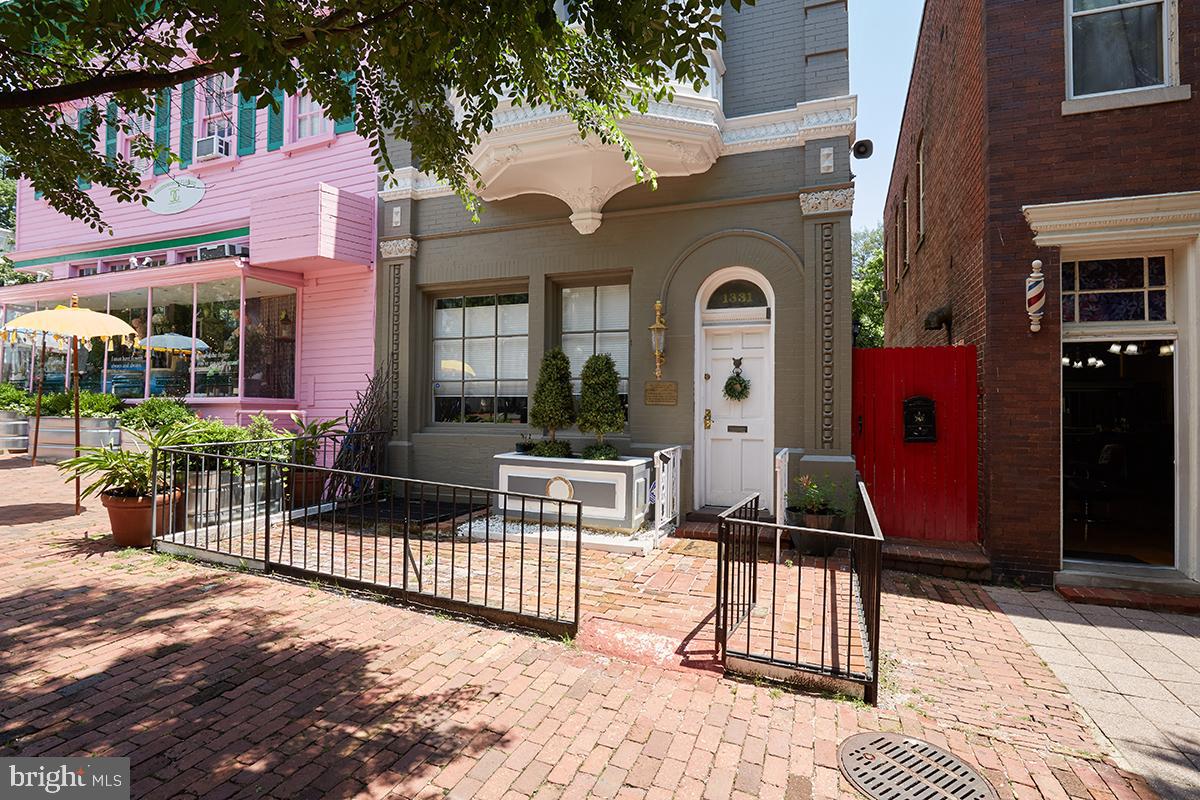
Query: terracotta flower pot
pixel 305 488
pixel 130 517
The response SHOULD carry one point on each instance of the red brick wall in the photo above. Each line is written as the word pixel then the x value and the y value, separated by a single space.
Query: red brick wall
pixel 1031 154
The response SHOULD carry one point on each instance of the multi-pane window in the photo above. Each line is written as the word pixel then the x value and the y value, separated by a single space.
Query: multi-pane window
pixel 904 226
pixel 1116 45
pixel 481 358
pixel 218 106
pixel 1115 290
pixel 595 319
pixel 138 142
pixel 310 117
pixel 921 187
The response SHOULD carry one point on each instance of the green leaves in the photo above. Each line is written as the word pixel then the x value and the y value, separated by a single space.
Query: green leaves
pixel 600 410
pixel 553 407
pixel 429 72
pixel 866 285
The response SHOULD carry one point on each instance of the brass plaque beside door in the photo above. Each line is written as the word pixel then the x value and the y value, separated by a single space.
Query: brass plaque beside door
pixel 661 393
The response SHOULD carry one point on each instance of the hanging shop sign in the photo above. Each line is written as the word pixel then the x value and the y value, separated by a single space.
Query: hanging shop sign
pixel 175 195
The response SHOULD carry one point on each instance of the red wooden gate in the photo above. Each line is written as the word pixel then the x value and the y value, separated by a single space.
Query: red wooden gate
pixel 921 489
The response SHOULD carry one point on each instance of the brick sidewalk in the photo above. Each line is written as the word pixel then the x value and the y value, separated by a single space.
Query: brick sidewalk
pixel 219 684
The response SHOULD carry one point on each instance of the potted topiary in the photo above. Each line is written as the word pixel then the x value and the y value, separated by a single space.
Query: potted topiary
pixel 305 486
pixel 15 407
pixel 817 505
pixel 553 407
pixel 127 484
pixel 600 410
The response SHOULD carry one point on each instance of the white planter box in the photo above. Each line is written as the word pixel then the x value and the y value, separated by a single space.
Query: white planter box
pixel 614 494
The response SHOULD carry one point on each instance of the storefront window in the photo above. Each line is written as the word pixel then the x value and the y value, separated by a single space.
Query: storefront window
pixel 126 376
pixel 218 307
pixel 481 359
pixel 18 356
pixel 170 340
pixel 56 354
pixel 91 354
pixel 270 340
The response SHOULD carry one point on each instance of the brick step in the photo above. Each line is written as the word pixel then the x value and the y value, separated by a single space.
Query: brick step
pixel 962 561
pixel 1131 598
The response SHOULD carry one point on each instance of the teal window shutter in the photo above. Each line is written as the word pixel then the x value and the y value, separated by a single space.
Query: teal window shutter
pixel 162 131
pixel 83 183
pixel 275 122
pixel 246 116
pixel 346 123
pixel 111 129
pixel 187 125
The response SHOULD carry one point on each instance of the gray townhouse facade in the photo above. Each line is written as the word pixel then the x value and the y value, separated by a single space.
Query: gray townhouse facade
pixel 746 244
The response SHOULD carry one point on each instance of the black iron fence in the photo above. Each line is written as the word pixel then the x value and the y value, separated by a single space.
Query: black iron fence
pixel 816 613
pixel 297 507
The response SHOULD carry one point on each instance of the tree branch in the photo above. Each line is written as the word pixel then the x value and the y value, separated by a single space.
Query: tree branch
pixel 144 79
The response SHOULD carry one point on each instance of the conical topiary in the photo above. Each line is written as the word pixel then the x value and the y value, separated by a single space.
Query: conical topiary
pixel 600 409
pixel 553 407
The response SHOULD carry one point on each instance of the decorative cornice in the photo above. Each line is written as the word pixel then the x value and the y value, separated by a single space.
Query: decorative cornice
pixel 828 201
pixel 398 248
pixel 410 183
pixel 1110 219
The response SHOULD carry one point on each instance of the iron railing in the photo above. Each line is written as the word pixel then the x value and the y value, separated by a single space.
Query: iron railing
pixel 817 613
pixel 509 557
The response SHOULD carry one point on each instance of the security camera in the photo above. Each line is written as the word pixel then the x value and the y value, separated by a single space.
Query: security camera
pixel 863 148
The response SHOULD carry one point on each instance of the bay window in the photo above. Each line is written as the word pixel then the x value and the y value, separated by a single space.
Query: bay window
pixel 1117 45
pixel 481 358
pixel 595 319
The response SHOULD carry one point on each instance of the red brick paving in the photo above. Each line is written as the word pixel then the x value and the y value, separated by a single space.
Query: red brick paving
pixel 1132 598
pixel 222 684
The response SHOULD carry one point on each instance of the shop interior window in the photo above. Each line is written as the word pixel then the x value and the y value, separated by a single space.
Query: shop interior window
pixel 126 373
pixel 170 341
pixel 17 357
pixel 270 340
pixel 218 306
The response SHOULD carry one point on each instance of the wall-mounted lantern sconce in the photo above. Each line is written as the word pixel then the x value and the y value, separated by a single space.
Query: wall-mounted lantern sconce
pixel 658 339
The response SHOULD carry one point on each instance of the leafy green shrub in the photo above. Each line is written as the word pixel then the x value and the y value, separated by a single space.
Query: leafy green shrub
pixel 125 473
pixel 15 399
pixel 552 448
pixel 265 441
pixel 157 412
pixel 600 409
pixel 91 404
pixel 308 436
pixel 601 452
pixel 553 406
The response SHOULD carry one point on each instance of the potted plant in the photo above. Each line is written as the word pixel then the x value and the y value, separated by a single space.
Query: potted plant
pixel 127 485
pixel 553 407
pixel 99 424
pixel 305 486
pixel 816 505
pixel 152 414
pixel 600 410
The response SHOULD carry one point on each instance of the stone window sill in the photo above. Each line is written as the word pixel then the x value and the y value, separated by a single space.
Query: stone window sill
pixel 1131 99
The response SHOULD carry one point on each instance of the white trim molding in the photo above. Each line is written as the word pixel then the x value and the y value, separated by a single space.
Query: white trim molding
pixel 398 248
pixel 1115 220
pixel 537 150
pixel 827 201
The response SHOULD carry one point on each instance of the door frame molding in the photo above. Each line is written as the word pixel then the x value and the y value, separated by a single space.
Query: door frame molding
pixel 699 347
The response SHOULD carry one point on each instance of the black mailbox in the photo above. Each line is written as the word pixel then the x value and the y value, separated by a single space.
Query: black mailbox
pixel 920 420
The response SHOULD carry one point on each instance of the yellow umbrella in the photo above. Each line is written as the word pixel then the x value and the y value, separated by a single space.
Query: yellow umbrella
pixel 62 323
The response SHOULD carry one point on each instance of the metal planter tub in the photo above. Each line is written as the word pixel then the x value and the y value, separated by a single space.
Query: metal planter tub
pixel 219 496
pixel 56 435
pixel 14 431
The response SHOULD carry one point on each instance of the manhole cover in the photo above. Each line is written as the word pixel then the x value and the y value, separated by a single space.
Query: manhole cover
pixel 888 766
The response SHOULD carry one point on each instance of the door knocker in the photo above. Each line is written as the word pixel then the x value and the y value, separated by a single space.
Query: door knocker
pixel 737 386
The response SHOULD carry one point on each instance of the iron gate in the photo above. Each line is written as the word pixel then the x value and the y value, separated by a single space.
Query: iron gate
pixel 816 613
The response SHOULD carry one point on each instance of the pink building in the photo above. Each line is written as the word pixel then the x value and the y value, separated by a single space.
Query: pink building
pixel 249 275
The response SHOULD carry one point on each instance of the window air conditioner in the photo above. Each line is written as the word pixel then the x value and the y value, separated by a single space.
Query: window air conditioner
pixel 210 147
pixel 222 251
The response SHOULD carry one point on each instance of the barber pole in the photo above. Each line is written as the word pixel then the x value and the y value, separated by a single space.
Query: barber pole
pixel 1035 296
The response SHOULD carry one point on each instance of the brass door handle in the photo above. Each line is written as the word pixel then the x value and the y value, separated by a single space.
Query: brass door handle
pixel 707 418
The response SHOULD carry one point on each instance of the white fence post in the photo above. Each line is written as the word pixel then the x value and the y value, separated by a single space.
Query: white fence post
pixel 667 490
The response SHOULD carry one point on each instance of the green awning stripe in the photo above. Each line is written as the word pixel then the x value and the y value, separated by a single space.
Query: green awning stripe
pixel 129 249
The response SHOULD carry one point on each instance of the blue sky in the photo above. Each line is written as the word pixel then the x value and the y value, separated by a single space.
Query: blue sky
pixel 883 35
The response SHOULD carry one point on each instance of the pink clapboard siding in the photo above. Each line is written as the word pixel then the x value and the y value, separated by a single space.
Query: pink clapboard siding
pixel 288 229
pixel 337 334
pixel 343 162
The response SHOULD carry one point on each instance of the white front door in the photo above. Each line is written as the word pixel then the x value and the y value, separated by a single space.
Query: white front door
pixel 737 435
